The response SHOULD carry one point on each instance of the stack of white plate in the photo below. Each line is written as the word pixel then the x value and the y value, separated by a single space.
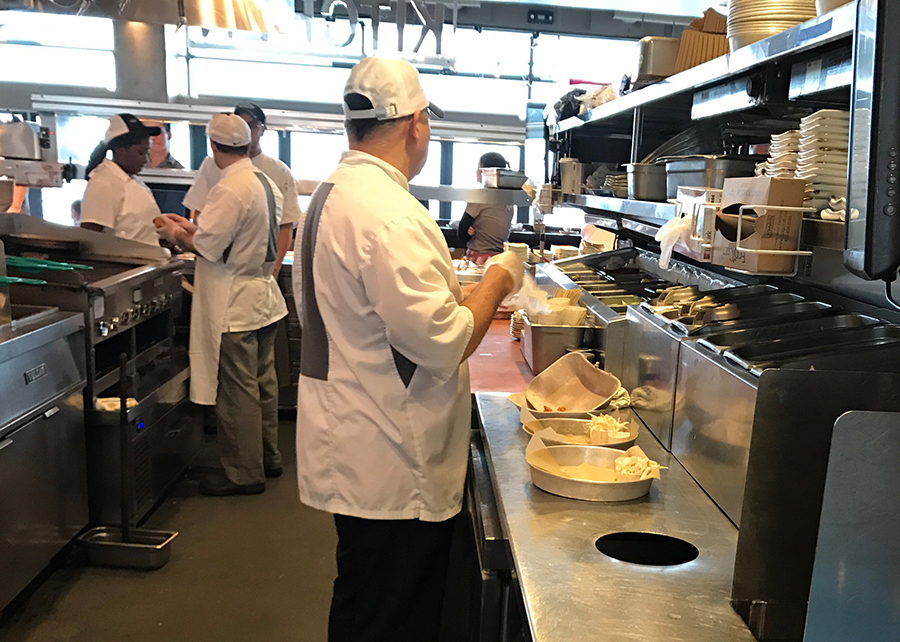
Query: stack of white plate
pixel 519 249
pixel 753 20
pixel 824 140
pixel 516 325
pixel 784 154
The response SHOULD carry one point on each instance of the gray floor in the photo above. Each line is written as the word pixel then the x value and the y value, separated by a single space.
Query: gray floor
pixel 243 569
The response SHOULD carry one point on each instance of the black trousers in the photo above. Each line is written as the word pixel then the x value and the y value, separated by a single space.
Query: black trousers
pixel 391 578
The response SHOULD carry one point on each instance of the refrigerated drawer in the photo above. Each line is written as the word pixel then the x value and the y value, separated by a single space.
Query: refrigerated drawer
pixel 44 500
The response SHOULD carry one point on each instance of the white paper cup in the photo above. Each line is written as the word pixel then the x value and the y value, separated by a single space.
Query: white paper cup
pixel 554 317
pixel 573 315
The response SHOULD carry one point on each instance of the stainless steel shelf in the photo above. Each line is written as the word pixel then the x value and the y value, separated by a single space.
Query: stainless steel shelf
pixel 488 196
pixel 646 217
pixel 644 210
pixel 820 31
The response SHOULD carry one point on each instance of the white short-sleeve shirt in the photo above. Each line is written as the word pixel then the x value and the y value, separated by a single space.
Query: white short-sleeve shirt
pixel 121 203
pixel 209 174
pixel 370 443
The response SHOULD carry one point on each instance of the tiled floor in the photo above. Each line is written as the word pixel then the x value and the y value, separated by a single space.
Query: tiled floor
pixel 243 569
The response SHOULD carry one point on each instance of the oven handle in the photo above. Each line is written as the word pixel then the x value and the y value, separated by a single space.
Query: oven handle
pixel 493 547
pixel 6 443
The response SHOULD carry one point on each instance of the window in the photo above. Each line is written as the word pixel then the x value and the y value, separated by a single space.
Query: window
pixel 566 58
pixel 465 164
pixel 59 50
pixel 314 155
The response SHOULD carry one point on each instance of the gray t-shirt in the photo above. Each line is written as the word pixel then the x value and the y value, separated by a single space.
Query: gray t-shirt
pixel 491 226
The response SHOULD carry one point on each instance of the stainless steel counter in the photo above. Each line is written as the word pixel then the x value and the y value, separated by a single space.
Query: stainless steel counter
pixel 574 592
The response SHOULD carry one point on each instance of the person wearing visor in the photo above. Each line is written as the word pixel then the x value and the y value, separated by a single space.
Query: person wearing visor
pixel 208 175
pixel 384 408
pixel 484 228
pixel 115 200
pixel 235 308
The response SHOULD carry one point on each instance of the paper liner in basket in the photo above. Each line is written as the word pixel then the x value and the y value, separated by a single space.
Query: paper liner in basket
pixel 537 454
pixel 571 384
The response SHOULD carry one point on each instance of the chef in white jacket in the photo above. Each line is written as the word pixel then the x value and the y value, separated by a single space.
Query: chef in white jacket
pixel 209 174
pixel 115 200
pixel 235 308
pixel 384 407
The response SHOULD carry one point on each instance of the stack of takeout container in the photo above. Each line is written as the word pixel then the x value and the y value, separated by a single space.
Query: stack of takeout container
pixel 824 141
pixel 618 183
pixel 563 251
pixel 752 20
pixel 784 155
pixel 519 249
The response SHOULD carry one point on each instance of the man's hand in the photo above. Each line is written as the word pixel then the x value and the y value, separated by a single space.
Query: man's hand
pixel 513 266
pixel 176 229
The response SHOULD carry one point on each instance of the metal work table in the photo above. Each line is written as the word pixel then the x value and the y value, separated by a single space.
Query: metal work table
pixel 574 592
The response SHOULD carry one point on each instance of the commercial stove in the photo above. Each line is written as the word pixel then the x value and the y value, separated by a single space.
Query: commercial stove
pixel 128 298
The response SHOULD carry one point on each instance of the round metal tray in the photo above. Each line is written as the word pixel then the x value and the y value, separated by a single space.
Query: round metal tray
pixel 580 428
pixel 592 491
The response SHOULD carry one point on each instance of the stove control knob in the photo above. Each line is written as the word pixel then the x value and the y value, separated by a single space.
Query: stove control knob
pixel 114 323
pixel 103 328
pixel 126 316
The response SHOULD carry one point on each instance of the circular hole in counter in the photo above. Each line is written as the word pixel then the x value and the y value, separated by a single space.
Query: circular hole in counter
pixel 649 549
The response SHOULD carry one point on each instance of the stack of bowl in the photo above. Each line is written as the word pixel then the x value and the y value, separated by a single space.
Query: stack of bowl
pixel 752 20
pixel 824 141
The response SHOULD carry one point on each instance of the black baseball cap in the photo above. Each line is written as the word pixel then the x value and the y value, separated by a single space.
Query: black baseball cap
pixel 122 124
pixel 251 109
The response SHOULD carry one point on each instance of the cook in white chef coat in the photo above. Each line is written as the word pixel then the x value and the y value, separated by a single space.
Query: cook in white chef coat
pixel 115 200
pixel 384 409
pixel 209 174
pixel 236 305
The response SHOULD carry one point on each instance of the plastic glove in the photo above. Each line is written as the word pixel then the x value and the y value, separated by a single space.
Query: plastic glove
pixel 512 264
pixel 678 229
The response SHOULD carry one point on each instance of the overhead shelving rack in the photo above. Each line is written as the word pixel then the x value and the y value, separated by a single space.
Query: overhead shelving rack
pixel 769 85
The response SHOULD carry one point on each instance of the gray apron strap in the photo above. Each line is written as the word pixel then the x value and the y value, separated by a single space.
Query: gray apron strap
pixel 314 339
pixel 272 248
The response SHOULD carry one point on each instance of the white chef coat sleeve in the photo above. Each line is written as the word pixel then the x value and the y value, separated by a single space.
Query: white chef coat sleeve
pixel 102 202
pixel 219 224
pixel 196 196
pixel 291 210
pixel 279 201
pixel 403 278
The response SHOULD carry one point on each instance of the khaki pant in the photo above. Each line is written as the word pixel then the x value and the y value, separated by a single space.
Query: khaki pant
pixel 247 405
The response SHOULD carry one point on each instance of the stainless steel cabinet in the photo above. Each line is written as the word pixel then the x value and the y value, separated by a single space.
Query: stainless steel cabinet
pixel 43 503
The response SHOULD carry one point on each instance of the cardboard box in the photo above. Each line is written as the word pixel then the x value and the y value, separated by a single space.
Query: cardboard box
pixel 571 175
pixel 771 229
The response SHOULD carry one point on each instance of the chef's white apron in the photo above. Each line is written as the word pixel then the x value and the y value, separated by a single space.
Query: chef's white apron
pixel 212 292
pixel 213 287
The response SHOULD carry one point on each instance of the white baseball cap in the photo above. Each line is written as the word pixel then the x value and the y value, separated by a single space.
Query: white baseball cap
pixel 122 124
pixel 229 130
pixel 391 85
